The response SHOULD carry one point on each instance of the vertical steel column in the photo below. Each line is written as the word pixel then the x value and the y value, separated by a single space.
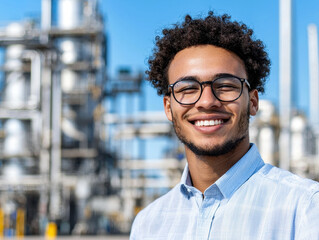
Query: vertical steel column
pixel 285 78
pixel 313 75
pixel 46 14
pixel 46 105
pixel 314 82
pixel 55 174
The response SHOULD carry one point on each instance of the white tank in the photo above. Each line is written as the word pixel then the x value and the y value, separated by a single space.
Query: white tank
pixel 266 111
pixel 298 137
pixel 69 80
pixel 266 131
pixel 13 56
pixel 16 90
pixel 17 86
pixel 70 14
pixel 70 50
pixel 267 144
pixel 15 29
pixel 15 141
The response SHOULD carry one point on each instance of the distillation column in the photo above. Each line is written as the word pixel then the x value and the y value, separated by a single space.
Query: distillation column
pixel 80 41
pixel 285 78
pixel 24 158
pixel 314 80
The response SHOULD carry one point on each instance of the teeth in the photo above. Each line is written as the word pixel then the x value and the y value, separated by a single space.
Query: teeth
pixel 208 122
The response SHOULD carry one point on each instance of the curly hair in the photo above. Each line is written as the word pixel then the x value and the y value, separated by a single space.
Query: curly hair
pixel 219 31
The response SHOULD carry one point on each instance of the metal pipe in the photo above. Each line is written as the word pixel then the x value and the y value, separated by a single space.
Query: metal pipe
pixel 35 76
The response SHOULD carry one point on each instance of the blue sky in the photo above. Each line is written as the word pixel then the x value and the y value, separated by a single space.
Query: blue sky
pixel 131 27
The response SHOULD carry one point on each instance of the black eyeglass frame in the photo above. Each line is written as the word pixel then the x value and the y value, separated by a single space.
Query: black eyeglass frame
pixel 242 80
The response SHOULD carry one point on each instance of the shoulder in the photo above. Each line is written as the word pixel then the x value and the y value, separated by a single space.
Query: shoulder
pixel 286 185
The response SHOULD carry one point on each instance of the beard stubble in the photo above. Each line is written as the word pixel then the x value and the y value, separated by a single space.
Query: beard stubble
pixel 219 149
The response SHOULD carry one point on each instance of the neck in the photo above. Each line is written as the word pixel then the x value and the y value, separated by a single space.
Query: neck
pixel 206 170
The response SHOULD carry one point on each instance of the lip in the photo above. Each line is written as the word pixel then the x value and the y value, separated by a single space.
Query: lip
pixel 208 130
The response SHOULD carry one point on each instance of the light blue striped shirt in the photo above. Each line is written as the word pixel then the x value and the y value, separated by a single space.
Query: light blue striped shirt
pixel 252 200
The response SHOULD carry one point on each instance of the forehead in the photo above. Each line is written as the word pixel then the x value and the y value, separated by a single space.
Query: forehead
pixel 204 62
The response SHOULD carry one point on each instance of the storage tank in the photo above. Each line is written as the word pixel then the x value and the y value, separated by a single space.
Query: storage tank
pixel 264 131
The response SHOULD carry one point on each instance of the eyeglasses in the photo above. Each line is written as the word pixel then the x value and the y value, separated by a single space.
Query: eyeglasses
pixel 226 88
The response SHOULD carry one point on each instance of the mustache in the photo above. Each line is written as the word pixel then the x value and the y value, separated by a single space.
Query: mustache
pixel 187 115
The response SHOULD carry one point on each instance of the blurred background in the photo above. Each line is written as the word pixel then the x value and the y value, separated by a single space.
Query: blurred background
pixel 84 142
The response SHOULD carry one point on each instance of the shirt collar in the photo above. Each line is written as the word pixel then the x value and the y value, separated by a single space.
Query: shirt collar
pixel 237 175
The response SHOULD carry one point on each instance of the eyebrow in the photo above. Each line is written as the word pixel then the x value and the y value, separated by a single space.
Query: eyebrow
pixel 187 78
pixel 218 75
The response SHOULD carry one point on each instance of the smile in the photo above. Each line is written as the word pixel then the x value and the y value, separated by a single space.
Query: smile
pixel 208 123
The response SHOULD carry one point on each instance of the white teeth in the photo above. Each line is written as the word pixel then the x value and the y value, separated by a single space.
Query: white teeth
pixel 201 123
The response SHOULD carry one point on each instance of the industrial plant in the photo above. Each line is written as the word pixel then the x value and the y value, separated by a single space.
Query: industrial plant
pixel 72 139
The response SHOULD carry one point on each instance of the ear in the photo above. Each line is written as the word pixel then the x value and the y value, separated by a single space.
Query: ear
pixel 167 107
pixel 254 102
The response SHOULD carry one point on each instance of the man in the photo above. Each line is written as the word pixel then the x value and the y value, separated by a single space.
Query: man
pixel 210 72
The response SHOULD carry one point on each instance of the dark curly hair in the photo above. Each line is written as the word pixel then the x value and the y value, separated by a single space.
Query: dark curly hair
pixel 215 30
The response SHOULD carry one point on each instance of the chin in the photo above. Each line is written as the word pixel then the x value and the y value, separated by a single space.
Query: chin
pixel 214 151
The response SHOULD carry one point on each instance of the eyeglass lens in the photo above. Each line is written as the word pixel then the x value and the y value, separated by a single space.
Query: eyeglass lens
pixel 224 89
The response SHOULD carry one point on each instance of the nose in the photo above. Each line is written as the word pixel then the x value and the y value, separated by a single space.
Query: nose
pixel 208 99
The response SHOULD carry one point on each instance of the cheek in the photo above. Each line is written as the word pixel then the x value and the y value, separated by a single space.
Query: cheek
pixel 178 109
pixel 234 108
pixel 182 112
pixel 238 110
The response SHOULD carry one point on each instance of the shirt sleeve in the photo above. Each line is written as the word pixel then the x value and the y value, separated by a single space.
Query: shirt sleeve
pixel 308 227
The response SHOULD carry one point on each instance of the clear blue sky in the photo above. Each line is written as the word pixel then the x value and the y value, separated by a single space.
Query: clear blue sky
pixel 132 26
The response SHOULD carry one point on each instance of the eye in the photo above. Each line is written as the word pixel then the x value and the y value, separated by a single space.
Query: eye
pixel 226 85
pixel 186 87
